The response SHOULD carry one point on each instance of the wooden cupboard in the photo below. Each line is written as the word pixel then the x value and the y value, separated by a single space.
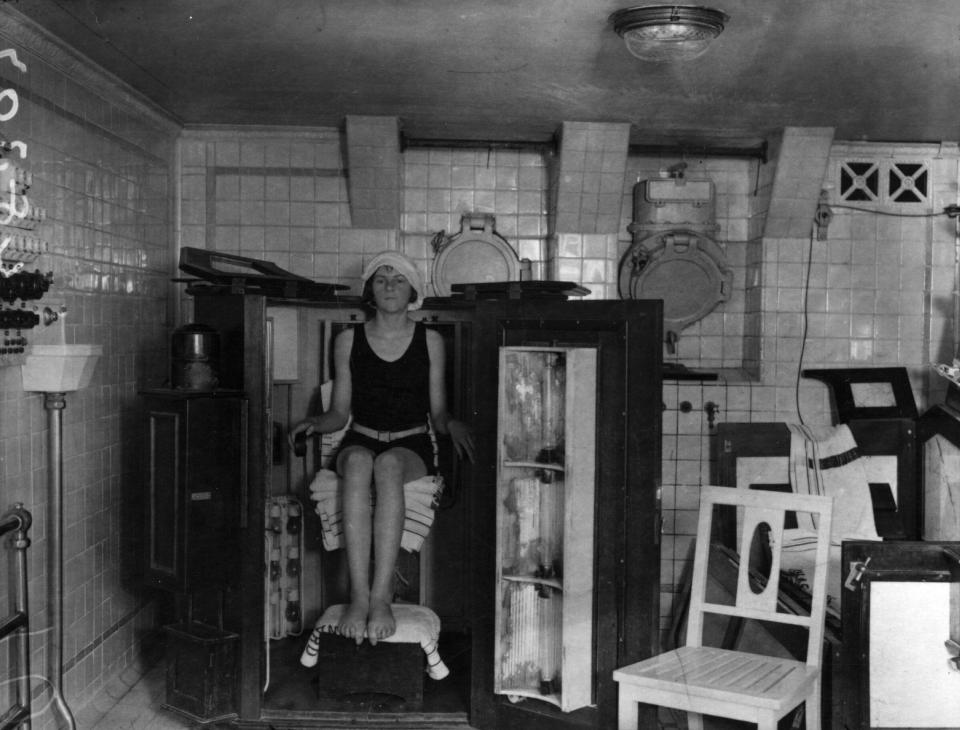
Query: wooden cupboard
pixel 900 648
pixel 193 501
pixel 612 350
pixel 625 557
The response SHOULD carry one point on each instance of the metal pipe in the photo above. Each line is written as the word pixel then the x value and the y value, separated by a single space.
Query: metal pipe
pixel 956 276
pixel 55 403
pixel 678 149
pixel 547 145
pixel 18 521
pixel 758 152
pixel 21 542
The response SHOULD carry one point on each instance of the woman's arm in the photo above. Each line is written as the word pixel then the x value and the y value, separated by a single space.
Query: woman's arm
pixel 439 415
pixel 337 415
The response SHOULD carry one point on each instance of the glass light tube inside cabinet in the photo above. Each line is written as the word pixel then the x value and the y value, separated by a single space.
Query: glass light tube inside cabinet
pixel 546 460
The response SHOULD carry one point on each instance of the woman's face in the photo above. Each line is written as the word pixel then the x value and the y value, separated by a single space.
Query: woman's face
pixel 391 290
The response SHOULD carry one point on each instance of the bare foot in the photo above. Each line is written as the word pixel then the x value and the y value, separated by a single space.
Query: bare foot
pixel 381 623
pixel 353 621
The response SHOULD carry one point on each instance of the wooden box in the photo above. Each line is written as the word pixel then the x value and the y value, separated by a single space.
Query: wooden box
pixel 346 670
pixel 201 672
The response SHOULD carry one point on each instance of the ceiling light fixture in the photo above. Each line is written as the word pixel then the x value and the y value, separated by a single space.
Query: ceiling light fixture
pixel 668 32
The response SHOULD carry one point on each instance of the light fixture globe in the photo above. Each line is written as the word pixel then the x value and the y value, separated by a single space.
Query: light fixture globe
pixel 668 32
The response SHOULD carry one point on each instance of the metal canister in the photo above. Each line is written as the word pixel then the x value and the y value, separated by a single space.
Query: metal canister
pixel 195 357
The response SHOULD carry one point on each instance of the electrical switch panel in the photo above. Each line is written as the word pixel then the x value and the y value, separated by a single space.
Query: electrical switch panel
pixel 36 319
pixel 19 246
pixel 15 321
pixel 24 285
pixel 283 580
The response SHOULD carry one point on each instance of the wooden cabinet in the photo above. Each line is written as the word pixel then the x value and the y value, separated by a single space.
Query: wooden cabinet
pixel 900 648
pixel 938 441
pixel 604 557
pixel 604 528
pixel 196 484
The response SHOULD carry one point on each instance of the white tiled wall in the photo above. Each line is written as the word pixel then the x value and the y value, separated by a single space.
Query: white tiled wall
pixel 441 185
pixel 875 296
pixel 101 164
pixel 880 293
pixel 282 195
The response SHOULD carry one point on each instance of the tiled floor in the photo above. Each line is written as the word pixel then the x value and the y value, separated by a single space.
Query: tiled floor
pixel 135 699
pixel 139 708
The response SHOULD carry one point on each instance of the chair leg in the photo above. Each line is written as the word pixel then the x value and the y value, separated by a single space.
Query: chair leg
pixel 628 712
pixel 767 721
pixel 694 721
pixel 812 709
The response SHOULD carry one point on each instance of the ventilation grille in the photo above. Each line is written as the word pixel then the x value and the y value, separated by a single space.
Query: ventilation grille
pixel 884 182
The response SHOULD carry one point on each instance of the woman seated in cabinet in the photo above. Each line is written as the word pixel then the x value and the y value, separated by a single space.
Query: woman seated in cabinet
pixel 389 374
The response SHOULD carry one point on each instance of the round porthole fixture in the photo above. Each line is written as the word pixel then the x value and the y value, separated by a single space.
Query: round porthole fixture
pixel 684 268
pixel 477 254
pixel 668 32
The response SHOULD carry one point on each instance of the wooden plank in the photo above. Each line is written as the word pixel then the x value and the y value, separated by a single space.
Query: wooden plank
pixel 578 528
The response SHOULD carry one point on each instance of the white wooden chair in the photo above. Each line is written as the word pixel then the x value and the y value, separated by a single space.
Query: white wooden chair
pixel 735 684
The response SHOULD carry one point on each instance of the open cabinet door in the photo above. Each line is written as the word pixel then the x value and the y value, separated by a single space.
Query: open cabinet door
pixel 901 618
pixel 566 488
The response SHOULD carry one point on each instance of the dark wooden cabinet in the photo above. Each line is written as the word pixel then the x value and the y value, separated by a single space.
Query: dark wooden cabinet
pixel 196 485
pixel 900 643
pixel 626 336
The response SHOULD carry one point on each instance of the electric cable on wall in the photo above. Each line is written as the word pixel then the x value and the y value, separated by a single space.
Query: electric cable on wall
pixel 806 321
pixel 950 211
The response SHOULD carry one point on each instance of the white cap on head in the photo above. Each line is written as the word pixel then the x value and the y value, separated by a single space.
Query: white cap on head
pixel 400 263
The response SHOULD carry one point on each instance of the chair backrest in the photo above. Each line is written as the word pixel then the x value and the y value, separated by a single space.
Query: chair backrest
pixel 759 511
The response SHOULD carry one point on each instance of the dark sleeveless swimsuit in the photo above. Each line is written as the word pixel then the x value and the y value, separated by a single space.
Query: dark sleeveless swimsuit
pixel 391 395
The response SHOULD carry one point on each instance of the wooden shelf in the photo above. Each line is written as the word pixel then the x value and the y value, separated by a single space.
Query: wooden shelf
pixel 533 465
pixel 552 582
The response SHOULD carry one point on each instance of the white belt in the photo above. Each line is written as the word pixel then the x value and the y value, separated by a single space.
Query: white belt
pixel 387 436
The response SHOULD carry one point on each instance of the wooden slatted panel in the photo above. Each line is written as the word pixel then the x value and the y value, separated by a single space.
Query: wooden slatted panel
pixel 761 680
pixel 760 615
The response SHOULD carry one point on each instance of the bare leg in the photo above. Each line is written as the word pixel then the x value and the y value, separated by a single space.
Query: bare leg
pixel 391 470
pixel 356 469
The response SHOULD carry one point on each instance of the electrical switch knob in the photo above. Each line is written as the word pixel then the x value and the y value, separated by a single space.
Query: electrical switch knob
pixel 275 564
pixel 293 562
pixel 24 285
pixel 293 519
pixel 18 319
pixel 276 523
pixel 293 606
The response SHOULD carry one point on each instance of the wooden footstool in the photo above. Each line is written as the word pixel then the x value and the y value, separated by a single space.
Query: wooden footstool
pixel 395 666
pixel 346 670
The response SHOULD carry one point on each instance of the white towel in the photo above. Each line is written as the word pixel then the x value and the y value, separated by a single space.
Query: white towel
pixel 826 461
pixel 415 625
pixel 421 498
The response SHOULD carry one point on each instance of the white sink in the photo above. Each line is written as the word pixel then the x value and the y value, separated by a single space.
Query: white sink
pixel 59 368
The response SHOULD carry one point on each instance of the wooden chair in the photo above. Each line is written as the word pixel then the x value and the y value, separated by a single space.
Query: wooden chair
pixel 738 685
